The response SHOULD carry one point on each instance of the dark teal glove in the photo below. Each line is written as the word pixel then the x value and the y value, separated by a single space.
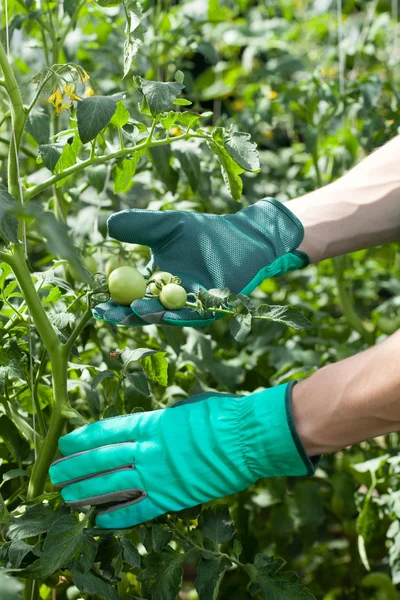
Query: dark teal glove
pixel 207 251
pixel 140 466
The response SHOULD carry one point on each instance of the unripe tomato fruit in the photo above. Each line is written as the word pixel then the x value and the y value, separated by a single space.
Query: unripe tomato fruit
pixel 160 277
pixel 113 263
pixel 73 593
pixel 143 250
pixel 173 296
pixel 126 284
pixel 88 262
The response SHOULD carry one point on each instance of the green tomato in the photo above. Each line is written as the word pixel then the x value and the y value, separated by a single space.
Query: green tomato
pixel 161 278
pixel 173 296
pixel 73 593
pixel 88 262
pixel 126 284
pixel 142 250
pixel 113 263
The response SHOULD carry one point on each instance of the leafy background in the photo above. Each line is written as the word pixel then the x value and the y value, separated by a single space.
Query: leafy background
pixel 270 69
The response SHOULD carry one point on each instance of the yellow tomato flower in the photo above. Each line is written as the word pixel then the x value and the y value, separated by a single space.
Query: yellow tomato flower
pixel 69 90
pixel 83 75
pixel 272 95
pixel 89 91
pixel 57 100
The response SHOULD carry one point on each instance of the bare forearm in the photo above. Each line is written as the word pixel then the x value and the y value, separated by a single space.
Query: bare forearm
pixel 353 400
pixel 359 210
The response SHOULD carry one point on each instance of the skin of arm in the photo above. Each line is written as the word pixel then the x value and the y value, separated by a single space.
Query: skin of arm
pixel 353 400
pixel 359 210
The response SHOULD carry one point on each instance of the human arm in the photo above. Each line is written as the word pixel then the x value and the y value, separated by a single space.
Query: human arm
pixel 214 445
pixel 359 210
pixel 353 400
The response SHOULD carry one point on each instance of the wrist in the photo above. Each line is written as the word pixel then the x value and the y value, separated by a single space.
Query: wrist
pixel 271 444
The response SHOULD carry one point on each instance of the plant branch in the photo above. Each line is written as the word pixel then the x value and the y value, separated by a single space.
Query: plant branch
pixel 77 331
pixel 99 160
pixel 20 268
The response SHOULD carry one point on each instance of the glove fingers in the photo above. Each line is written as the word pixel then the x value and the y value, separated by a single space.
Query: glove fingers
pixel 117 487
pixel 116 430
pixel 138 511
pixel 92 462
pixel 148 227
pixel 151 310
pixel 115 313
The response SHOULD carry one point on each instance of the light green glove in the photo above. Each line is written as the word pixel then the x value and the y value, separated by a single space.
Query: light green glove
pixel 140 466
pixel 207 251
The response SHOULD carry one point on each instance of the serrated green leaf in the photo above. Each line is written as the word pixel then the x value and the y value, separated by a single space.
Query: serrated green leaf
pixel 216 524
pixel 240 326
pixel 182 102
pixel 230 170
pixel 131 555
pixel 63 542
pixel 13 473
pixel 156 367
pixel 38 518
pixel 93 114
pixel 135 31
pixel 89 583
pixel 38 125
pixel 243 151
pixel 288 315
pixel 67 158
pixel 124 171
pixel 50 154
pixel 121 115
pixel 16 553
pixel 190 164
pixel 129 356
pixel 160 95
pixel 8 221
pixel 161 157
pixel 162 575
pixel 209 576
pixel 269 582
pixel 107 374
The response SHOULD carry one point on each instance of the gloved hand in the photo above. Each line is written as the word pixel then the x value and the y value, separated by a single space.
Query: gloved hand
pixel 207 251
pixel 137 467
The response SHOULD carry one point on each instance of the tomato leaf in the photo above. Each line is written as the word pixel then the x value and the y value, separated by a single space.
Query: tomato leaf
pixel 216 524
pixel 288 315
pixel 93 114
pixel 38 125
pixel 156 367
pixel 161 578
pixel 230 170
pixel 209 576
pixel 243 151
pixel 89 583
pixel 269 582
pixel 160 95
pixel 8 221
pixel 240 326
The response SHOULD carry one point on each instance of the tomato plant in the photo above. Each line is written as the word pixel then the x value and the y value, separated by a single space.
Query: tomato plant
pixel 106 106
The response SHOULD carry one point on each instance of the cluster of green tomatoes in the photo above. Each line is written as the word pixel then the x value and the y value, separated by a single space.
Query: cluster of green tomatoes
pixel 126 284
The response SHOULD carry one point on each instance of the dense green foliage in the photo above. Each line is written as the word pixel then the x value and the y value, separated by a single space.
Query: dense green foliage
pixel 156 126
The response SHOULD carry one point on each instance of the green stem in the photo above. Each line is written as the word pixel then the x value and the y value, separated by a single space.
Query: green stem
pixel 23 276
pixel 345 302
pixel 99 160
pixel 19 116
pixel 57 422
pixel 77 331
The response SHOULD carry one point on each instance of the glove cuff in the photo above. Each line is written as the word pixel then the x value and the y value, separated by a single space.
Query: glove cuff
pixel 271 445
